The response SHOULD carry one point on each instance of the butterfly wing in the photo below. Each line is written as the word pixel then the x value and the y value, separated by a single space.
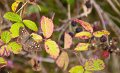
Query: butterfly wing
pixel 27 42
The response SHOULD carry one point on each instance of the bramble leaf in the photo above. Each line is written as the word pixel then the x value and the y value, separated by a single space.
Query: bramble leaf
pixel 77 69
pixel 82 47
pixel 47 26
pixel 36 37
pixel 67 41
pixel 52 48
pixel 15 47
pixel 101 33
pixel 94 64
pixel 5 36
pixel 31 25
pixel 63 60
pixel 85 25
pixel 3 62
pixel 15 5
pixel 15 29
pixel 12 16
pixel 83 35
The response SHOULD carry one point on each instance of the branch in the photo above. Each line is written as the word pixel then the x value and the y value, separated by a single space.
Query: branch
pixel 112 25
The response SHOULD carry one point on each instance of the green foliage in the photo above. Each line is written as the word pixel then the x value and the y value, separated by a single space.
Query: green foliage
pixel 15 29
pixel 12 16
pixel 5 36
pixel 76 69
pixel 30 24
pixel 15 47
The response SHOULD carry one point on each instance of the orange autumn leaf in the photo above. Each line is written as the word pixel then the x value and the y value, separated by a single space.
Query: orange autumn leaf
pixel 83 35
pixel 85 25
pixel 52 48
pixel 47 26
pixel 101 33
pixel 63 60
pixel 67 41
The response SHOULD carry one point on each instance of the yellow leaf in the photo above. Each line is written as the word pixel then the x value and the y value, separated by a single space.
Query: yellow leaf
pixel 46 26
pixel 3 62
pixel 77 69
pixel 67 41
pixel 52 48
pixel 36 37
pixel 63 60
pixel 83 35
pixel 15 5
pixel 94 64
pixel 82 47
pixel 101 33
pixel 85 25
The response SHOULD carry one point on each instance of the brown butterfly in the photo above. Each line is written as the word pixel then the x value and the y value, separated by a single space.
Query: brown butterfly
pixel 26 40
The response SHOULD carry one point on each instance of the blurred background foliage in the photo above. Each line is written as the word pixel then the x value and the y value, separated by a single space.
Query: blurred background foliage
pixel 59 8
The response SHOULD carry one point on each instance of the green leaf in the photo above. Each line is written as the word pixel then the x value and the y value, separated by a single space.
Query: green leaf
pixel 13 17
pixel 30 24
pixel 3 62
pixel 77 69
pixel 15 29
pixel 15 47
pixel 5 36
pixel 94 64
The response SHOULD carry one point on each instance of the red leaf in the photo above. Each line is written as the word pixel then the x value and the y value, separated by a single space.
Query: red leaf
pixel 85 25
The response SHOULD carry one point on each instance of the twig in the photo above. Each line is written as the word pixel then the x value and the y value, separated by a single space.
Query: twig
pixel 61 5
pixel 22 7
pixel 112 25
pixel 69 16
pixel 101 17
pixel 39 58
pixel 114 7
pixel 113 17
pixel 118 3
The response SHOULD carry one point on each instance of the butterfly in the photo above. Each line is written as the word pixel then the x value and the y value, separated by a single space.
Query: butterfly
pixel 27 42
